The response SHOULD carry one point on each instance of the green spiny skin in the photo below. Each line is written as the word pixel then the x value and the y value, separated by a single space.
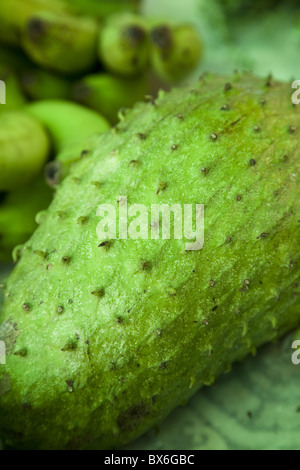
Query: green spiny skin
pixel 104 339
pixel 13 93
pixel 15 14
pixel 124 44
pixel 108 93
pixel 62 43
pixel 70 126
pixel 176 50
pixel 39 84
pixel 24 149
pixel 17 215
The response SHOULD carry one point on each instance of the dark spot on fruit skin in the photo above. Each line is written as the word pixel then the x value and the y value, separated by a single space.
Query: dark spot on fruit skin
pixel 70 346
pixel 256 129
pixel 134 34
pixel 76 180
pixel 96 183
pixel 162 37
pixel 134 163
pixel 292 129
pixel 36 29
pixel 84 153
pixel 106 244
pixel 163 366
pixel 239 197
pixel 26 307
pixel 211 283
pixel 249 414
pixel 42 254
pixel 146 265
pixel 120 320
pixel 263 101
pixel 205 171
pixel 21 352
pixel 179 116
pixel 70 384
pixel 133 417
pixel 142 136
pixel 66 259
pixel 98 293
pixel 252 162
pixel 228 86
pixel 174 147
pixel 162 186
pixel 60 309
pixel 214 308
pixel 205 322
pixel 213 136
pixel 82 220
pixel 225 107
pixel 262 235
pixel 53 172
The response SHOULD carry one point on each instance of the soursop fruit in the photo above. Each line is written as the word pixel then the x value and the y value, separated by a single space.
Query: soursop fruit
pixel 105 337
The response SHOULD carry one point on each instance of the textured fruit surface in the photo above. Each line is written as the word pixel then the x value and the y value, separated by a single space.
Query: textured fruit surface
pixel 104 339
pixel 24 149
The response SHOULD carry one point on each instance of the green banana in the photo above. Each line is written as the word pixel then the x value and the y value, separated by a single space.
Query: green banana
pixel 15 14
pixel 40 84
pixel 61 42
pixel 176 50
pixel 17 215
pixel 24 149
pixel 70 126
pixel 124 45
pixel 108 93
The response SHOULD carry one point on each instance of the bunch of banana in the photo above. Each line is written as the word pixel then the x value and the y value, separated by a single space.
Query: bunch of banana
pixel 75 38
